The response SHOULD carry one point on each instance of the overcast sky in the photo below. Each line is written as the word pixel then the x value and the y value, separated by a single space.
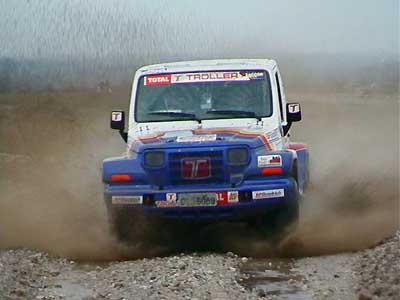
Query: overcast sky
pixel 126 28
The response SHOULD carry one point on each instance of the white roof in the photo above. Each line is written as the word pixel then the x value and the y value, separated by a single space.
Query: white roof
pixel 209 65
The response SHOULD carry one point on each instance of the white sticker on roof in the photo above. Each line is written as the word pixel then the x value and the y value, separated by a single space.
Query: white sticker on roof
pixel 197 138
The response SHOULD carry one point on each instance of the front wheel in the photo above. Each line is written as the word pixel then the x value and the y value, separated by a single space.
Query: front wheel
pixel 128 224
pixel 277 221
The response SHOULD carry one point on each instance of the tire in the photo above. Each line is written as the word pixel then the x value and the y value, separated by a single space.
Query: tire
pixel 307 173
pixel 286 215
pixel 277 221
pixel 294 173
pixel 127 224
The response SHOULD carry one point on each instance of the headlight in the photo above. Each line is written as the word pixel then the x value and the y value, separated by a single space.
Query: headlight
pixel 238 156
pixel 154 159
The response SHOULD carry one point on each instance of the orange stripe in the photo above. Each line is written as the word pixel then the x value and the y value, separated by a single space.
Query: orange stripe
pixel 150 137
pixel 297 146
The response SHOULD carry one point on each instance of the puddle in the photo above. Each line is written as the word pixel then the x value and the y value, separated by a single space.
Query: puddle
pixel 68 290
pixel 274 278
pixel 71 284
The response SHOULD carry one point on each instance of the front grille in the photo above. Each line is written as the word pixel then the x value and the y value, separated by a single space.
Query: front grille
pixel 216 167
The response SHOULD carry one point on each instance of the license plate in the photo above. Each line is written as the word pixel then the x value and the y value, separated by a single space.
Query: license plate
pixel 197 199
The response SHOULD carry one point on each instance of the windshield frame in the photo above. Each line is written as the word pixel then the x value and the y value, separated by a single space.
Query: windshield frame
pixel 221 117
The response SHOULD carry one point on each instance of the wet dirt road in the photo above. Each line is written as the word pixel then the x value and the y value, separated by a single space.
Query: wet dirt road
pixel 31 275
pixel 185 276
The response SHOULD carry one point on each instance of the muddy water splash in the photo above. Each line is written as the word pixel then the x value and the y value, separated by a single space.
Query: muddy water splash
pixel 353 201
pixel 51 193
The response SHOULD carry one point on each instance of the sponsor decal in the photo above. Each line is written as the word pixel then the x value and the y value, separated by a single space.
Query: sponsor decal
pixel 277 193
pixel 269 161
pixel 233 197
pixel 127 199
pixel 116 116
pixel 196 138
pixel 196 167
pixel 206 77
pixel 222 197
pixel 255 75
pixel 274 135
pixel 163 203
pixel 294 108
pixel 162 79
pixel 216 76
pixel 227 197
pixel 171 197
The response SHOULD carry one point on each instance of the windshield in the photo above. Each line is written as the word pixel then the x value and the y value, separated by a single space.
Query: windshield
pixel 203 96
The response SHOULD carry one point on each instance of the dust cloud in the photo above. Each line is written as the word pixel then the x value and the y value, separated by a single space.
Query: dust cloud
pixel 353 202
pixel 353 199
pixel 51 193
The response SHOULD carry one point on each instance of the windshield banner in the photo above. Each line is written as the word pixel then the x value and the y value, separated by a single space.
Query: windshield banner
pixel 165 79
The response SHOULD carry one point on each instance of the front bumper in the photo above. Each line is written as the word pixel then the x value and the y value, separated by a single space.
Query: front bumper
pixel 241 210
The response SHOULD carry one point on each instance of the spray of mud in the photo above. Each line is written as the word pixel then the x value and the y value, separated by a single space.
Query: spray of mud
pixel 353 200
pixel 52 145
pixel 51 193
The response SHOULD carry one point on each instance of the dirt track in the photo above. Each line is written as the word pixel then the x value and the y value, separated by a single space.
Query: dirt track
pixel 370 274
pixel 50 152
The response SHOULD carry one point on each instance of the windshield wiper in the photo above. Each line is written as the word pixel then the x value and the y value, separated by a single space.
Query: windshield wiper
pixel 175 113
pixel 233 112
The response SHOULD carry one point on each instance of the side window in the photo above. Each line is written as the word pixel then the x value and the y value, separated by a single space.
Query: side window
pixel 278 84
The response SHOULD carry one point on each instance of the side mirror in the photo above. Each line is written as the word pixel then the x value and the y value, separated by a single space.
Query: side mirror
pixel 293 112
pixel 117 122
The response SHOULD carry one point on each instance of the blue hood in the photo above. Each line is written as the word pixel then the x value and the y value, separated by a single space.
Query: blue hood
pixel 204 138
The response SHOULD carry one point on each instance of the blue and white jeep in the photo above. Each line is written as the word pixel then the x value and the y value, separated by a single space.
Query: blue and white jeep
pixel 206 141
